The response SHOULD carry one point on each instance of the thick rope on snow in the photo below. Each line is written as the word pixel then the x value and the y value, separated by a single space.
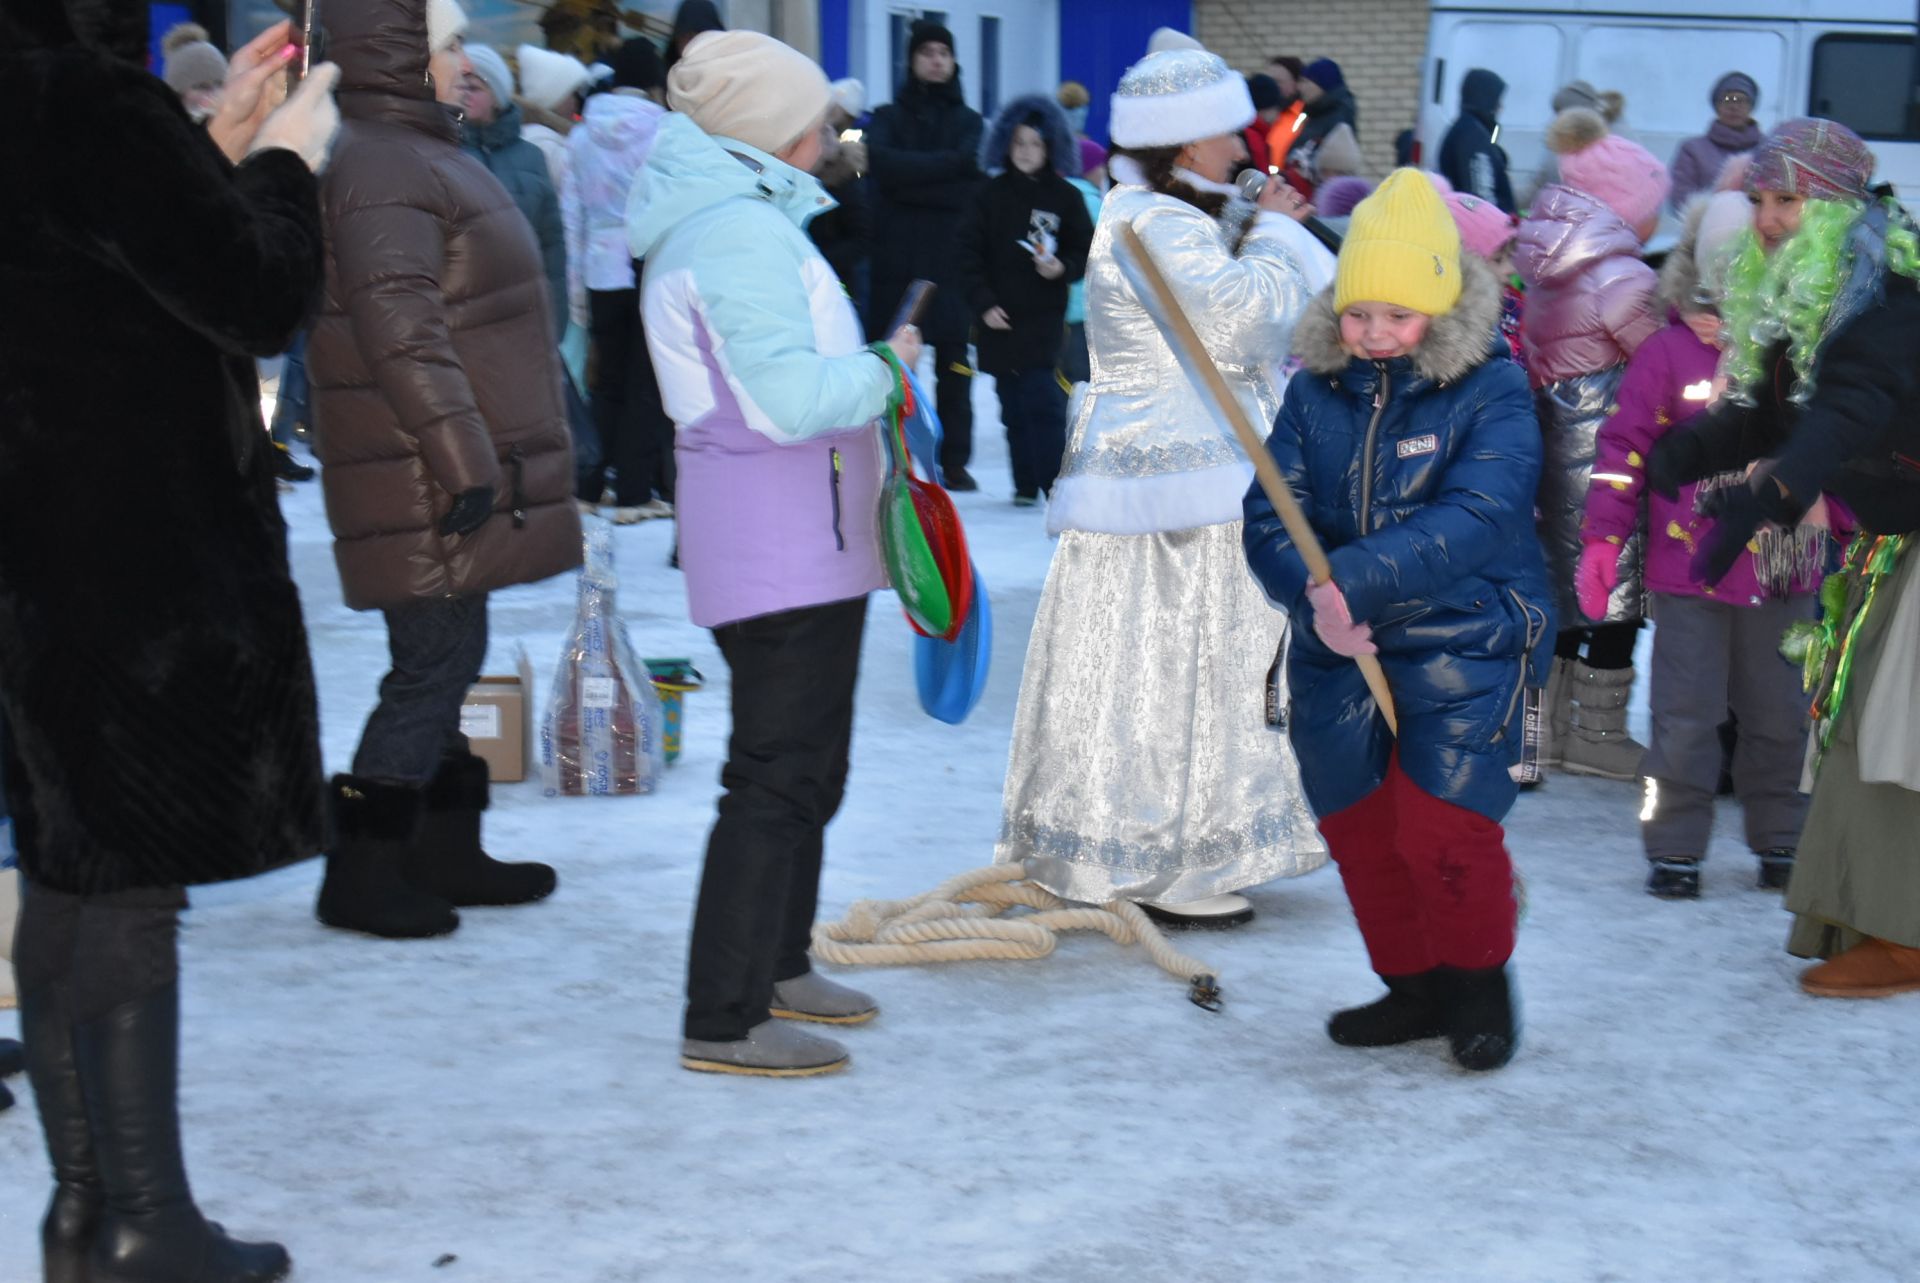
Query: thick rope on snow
pixel 960 921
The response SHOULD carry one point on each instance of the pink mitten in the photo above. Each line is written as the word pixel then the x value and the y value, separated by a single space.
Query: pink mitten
pixel 1333 622
pixel 1594 581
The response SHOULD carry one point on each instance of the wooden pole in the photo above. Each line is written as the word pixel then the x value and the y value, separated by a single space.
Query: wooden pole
pixel 1278 493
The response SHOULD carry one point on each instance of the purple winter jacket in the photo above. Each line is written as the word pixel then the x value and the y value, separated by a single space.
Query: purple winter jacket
pixel 1667 383
pixel 1590 298
pixel 1699 160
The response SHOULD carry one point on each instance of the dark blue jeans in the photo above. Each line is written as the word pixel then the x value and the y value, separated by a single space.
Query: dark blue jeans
pixel 1034 407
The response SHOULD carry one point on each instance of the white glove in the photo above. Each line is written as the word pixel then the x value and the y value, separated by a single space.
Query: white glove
pixel 307 121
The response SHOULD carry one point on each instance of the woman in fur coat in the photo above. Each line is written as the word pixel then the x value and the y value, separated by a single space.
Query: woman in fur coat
pixel 153 663
pixel 1143 766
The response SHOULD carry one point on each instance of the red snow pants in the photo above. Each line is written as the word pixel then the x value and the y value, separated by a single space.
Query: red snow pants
pixel 1430 882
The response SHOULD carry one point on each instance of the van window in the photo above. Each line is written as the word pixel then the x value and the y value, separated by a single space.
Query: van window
pixel 1668 80
pixel 1865 83
pixel 1524 54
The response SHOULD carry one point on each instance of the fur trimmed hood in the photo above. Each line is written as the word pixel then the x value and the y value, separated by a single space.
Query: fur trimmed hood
pixel 1063 152
pixel 1680 275
pixel 1456 343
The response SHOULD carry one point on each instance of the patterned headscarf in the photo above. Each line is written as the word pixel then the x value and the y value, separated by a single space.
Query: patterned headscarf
pixel 1818 159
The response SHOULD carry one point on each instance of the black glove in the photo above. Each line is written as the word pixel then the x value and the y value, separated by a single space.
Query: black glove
pixel 1677 459
pixel 470 511
pixel 1742 510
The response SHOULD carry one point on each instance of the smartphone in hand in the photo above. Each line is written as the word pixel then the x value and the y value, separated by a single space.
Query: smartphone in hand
pixel 305 30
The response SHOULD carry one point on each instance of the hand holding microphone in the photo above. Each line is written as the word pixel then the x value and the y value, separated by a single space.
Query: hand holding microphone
pixel 1273 194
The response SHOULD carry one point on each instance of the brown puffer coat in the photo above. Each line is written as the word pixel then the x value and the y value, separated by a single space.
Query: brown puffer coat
pixel 434 364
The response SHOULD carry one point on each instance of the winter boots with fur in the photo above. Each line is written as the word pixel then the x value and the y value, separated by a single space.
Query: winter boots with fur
pixel 1874 968
pixel 1596 740
pixel 1473 1009
pixel 403 859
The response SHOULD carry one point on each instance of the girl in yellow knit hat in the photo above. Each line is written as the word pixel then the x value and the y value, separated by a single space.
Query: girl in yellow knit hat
pixel 1411 443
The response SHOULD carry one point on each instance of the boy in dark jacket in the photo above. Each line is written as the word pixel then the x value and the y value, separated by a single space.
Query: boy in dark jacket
pixel 1410 441
pixel 1470 159
pixel 1022 243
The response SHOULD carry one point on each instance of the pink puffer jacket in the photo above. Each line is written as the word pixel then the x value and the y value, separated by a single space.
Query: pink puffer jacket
pixel 1590 299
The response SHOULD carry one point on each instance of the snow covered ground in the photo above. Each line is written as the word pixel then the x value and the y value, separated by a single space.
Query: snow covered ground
pixel 509 1097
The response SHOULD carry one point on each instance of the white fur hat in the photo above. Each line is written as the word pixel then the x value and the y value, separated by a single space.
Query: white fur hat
pixel 849 96
pixel 446 21
pixel 1179 96
pixel 548 79
pixel 1727 215
pixel 1165 39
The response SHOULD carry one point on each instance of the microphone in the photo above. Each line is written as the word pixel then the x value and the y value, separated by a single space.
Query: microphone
pixel 1252 183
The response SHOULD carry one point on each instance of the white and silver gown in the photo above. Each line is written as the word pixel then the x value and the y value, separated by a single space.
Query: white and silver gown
pixel 1143 766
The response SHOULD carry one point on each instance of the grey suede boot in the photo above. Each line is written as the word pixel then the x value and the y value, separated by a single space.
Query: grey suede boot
pixel 811 996
pixel 771 1049
pixel 1597 742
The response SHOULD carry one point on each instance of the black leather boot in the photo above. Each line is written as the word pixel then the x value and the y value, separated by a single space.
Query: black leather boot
pixel 1410 1011
pixel 66 1235
pixel 366 887
pixel 447 859
pixel 149 1230
pixel 1483 1023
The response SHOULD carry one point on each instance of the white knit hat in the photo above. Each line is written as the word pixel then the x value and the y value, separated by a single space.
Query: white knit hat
pixel 492 68
pixel 548 79
pixel 850 96
pixel 748 87
pixel 1179 96
pixel 446 21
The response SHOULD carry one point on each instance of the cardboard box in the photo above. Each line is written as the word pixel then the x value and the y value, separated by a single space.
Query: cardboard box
pixel 497 717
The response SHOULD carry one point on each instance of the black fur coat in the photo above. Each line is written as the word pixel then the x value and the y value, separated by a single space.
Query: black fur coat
pixel 154 675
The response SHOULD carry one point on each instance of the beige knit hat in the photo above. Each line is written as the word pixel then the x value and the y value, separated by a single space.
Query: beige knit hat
pixel 749 87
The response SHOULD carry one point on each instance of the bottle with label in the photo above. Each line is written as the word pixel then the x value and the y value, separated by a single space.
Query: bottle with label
pixel 604 731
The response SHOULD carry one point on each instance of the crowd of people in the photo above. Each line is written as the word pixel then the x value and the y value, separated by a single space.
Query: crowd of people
pixel 526 289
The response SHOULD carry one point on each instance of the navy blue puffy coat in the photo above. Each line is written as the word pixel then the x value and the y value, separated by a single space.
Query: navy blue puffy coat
pixel 1418 475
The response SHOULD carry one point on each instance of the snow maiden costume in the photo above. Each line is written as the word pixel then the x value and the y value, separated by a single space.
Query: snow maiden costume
pixel 1418 473
pixel 1142 764
pixel 1824 333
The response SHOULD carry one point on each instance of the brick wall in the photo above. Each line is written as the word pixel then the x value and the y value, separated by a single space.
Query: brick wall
pixel 1379 45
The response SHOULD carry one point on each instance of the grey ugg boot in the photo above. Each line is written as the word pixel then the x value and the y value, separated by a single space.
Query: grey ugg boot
pixel 771 1049
pixel 1597 742
pixel 1556 702
pixel 811 996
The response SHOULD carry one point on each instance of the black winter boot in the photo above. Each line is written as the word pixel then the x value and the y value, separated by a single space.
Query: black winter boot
pixel 447 860
pixel 13 1058
pixel 149 1230
pixel 1673 878
pixel 66 1235
pixel 1410 1011
pixel 366 887
pixel 1776 868
pixel 1482 1024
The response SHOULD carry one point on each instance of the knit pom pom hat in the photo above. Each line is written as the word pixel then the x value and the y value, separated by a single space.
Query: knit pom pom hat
pixel 749 87
pixel 1620 173
pixel 548 79
pixel 1178 97
pixel 1402 248
pixel 192 61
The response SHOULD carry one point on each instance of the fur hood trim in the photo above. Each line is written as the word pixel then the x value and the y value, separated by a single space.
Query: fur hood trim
pixel 1456 343
pixel 1680 276
pixel 1063 151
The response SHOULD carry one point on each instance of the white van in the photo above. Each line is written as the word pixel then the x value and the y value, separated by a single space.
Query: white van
pixel 1847 60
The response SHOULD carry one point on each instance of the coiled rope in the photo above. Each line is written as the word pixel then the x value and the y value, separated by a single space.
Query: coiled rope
pixel 961 921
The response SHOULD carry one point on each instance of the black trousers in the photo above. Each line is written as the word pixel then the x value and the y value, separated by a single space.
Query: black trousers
pixel 437 648
pixel 793 680
pixel 108 949
pixel 953 398
pixel 1034 408
pixel 1609 646
pixel 636 437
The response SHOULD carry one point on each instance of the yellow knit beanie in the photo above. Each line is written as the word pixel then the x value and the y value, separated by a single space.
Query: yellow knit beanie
pixel 1401 248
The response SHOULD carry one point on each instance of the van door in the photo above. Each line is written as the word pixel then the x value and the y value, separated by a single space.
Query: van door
pixel 1866 80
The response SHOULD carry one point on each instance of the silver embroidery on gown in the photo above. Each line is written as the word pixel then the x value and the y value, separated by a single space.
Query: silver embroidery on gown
pixel 1142 763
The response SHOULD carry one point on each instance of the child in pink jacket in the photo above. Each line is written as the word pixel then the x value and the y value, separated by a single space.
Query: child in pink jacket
pixel 1715 647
